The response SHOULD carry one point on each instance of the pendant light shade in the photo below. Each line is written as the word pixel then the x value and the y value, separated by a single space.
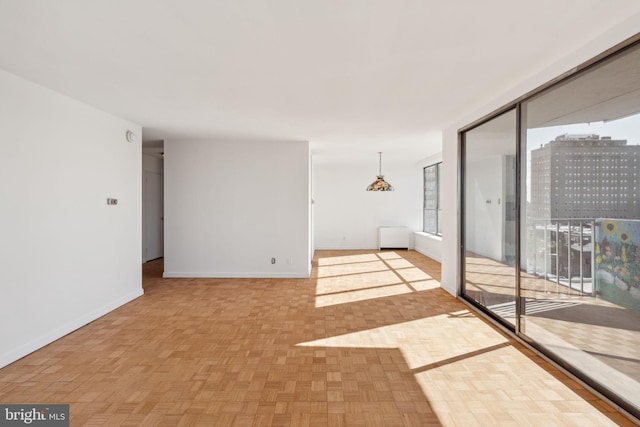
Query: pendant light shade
pixel 380 184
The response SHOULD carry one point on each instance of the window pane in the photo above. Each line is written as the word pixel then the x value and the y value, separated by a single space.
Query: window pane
pixel 430 187
pixel 431 199
pixel 580 239
pixel 430 224
pixel 489 233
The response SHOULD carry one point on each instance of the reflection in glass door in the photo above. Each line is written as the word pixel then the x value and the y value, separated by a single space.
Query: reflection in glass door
pixel 580 242
pixel 489 204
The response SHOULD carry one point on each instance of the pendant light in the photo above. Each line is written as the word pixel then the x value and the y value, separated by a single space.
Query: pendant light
pixel 380 184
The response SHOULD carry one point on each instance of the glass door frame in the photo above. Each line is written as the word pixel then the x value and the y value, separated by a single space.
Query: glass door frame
pixel 632 42
pixel 462 141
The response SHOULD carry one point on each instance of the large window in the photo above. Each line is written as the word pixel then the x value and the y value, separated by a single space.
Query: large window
pixel 551 222
pixel 432 205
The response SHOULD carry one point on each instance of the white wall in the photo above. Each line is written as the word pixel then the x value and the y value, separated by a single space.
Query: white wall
pixel 599 43
pixel 66 257
pixel 346 216
pixel 428 245
pixel 484 232
pixel 232 206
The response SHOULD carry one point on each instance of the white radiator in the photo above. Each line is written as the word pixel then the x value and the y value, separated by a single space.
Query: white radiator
pixel 394 238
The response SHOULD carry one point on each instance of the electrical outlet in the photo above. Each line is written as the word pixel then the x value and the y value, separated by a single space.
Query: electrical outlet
pixel 273 260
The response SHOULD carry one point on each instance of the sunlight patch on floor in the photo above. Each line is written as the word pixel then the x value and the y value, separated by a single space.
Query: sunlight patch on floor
pixel 412 274
pixel 398 263
pixel 422 342
pixel 505 389
pixel 353 278
pixel 361 295
pixel 347 259
pixel 388 255
pixel 353 268
pixel 425 285
pixel 355 282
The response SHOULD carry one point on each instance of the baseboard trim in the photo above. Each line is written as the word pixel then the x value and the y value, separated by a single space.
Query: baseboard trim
pixel 234 275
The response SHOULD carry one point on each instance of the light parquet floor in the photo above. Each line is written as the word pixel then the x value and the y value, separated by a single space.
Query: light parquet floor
pixel 369 340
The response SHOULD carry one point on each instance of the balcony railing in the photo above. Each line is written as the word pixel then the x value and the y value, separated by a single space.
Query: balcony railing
pixel 562 252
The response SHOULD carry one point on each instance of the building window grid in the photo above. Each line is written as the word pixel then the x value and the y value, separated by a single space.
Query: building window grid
pixel 432 206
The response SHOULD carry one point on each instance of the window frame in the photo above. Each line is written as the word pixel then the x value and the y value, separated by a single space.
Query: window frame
pixel 438 199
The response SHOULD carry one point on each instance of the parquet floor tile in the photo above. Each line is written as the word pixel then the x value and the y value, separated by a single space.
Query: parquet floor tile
pixel 593 334
pixel 369 340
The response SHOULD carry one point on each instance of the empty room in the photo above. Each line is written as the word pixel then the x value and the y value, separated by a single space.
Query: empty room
pixel 320 213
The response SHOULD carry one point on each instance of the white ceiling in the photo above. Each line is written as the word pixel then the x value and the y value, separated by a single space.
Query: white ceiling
pixel 607 92
pixel 346 75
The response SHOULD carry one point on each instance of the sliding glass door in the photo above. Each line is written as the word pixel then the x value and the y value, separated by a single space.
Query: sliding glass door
pixel 555 180
pixel 581 223
pixel 490 215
